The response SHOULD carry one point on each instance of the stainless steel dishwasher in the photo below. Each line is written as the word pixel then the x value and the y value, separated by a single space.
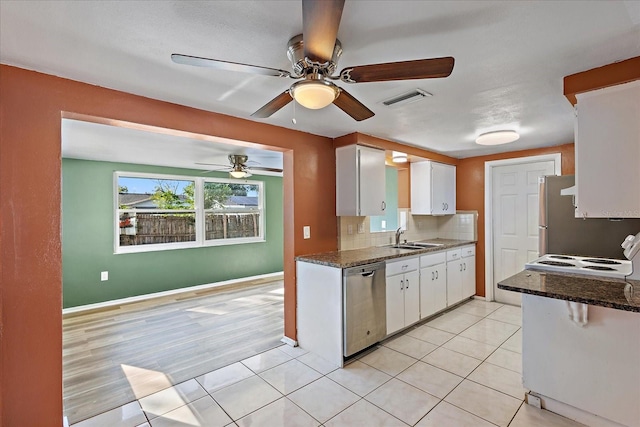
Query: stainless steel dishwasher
pixel 364 308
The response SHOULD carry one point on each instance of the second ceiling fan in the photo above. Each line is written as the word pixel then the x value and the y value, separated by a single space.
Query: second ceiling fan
pixel 314 56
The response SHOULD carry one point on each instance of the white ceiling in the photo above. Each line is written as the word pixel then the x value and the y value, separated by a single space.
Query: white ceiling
pixel 126 145
pixel 510 59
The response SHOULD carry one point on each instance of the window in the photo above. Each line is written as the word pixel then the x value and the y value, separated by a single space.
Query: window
pixel 158 212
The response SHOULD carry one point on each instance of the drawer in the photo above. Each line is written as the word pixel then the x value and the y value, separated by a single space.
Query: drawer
pixel 454 254
pixel 468 251
pixel 433 259
pixel 402 265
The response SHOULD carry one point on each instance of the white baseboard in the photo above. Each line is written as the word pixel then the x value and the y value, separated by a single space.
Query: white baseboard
pixel 289 341
pixel 65 422
pixel 138 298
pixel 574 413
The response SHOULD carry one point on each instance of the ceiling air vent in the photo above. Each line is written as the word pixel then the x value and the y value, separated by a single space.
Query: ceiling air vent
pixel 407 98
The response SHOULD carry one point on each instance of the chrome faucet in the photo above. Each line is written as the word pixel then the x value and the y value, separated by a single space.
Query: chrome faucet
pixel 399 231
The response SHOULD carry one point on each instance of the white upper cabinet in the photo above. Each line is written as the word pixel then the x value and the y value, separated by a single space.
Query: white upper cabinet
pixel 360 181
pixel 433 188
pixel 608 152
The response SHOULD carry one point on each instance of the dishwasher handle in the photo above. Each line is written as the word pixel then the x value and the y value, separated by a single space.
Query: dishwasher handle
pixel 368 274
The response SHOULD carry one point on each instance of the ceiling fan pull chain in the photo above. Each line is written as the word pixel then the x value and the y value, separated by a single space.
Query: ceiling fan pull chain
pixel 293 120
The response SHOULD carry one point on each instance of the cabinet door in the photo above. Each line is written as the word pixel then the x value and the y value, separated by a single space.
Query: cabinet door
pixel 607 152
pixel 411 297
pixel 454 282
pixel 443 189
pixel 395 303
pixel 433 290
pixel 468 276
pixel 421 188
pixel 371 181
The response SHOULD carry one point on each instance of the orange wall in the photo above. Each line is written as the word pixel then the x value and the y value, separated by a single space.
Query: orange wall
pixel 470 191
pixel 31 107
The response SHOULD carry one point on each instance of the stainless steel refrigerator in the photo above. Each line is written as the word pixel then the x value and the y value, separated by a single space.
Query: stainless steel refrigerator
pixel 560 232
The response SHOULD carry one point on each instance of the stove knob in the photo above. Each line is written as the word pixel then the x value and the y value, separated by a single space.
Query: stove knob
pixel 628 242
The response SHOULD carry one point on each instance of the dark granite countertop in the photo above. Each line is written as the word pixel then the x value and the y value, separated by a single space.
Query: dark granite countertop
pixel 355 257
pixel 603 291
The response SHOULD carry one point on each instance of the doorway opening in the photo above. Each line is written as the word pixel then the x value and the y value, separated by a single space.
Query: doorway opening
pixel 182 280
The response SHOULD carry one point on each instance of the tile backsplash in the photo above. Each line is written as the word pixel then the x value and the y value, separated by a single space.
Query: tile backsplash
pixel 354 230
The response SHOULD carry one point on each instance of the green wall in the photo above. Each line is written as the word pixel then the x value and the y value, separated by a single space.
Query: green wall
pixel 88 249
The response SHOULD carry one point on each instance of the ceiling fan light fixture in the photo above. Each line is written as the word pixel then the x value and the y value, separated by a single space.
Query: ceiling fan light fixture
pixel 237 173
pixel 398 157
pixel 314 94
pixel 497 137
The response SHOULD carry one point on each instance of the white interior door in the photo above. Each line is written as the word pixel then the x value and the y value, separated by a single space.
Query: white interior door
pixel 515 220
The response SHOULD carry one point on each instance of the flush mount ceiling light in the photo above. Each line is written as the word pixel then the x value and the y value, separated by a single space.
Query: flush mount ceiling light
pixel 498 137
pixel 399 157
pixel 314 94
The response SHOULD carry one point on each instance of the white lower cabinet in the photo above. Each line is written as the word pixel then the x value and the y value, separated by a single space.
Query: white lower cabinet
pixel 468 271
pixel 433 283
pixel 461 274
pixel 403 294
pixel 454 277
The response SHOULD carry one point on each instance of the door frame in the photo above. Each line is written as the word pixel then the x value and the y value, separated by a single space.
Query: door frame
pixel 488 199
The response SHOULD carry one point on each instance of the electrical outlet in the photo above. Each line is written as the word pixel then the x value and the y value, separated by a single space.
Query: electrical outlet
pixel 306 232
pixel 104 276
pixel 350 229
pixel 361 228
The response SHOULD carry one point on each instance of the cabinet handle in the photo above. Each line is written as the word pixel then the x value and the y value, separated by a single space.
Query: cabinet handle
pixel 404 267
pixel 384 205
pixel 465 266
pixel 407 284
pixel 401 284
pixel 460 267
pixel 436 274
pixel 432 275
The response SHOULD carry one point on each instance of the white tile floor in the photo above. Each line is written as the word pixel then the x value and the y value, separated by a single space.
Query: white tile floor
pixel 460 369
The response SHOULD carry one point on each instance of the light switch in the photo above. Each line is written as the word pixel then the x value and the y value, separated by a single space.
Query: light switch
pixel 104 276
pixel 306 232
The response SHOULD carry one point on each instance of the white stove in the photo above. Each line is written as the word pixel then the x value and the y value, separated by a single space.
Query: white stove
pixel 591 266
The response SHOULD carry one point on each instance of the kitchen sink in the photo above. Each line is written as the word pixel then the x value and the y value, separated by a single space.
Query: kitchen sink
pixel 426 245
pixel 406 246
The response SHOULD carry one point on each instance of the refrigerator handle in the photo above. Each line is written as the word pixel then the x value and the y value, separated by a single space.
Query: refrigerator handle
pixel 542 216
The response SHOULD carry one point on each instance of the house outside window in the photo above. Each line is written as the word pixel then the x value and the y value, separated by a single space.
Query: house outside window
pixel 159 212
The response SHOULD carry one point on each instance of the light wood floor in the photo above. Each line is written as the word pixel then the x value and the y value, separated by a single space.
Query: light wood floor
pixel 116 356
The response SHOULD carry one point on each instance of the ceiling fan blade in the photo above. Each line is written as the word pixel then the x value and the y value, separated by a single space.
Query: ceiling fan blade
pixel 226 65
pixel 212 164
pixel 274 105
pixel 259 168
pixel 347 103
pixel 320 22
pixel 403 70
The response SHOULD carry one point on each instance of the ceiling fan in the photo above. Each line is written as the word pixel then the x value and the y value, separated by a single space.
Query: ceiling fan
pixel 238 167
pixel 314 56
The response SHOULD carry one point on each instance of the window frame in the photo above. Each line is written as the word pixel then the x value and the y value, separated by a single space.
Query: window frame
pixel 199 211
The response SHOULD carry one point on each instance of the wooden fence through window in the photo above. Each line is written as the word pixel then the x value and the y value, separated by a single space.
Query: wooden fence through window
pixel 157 228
